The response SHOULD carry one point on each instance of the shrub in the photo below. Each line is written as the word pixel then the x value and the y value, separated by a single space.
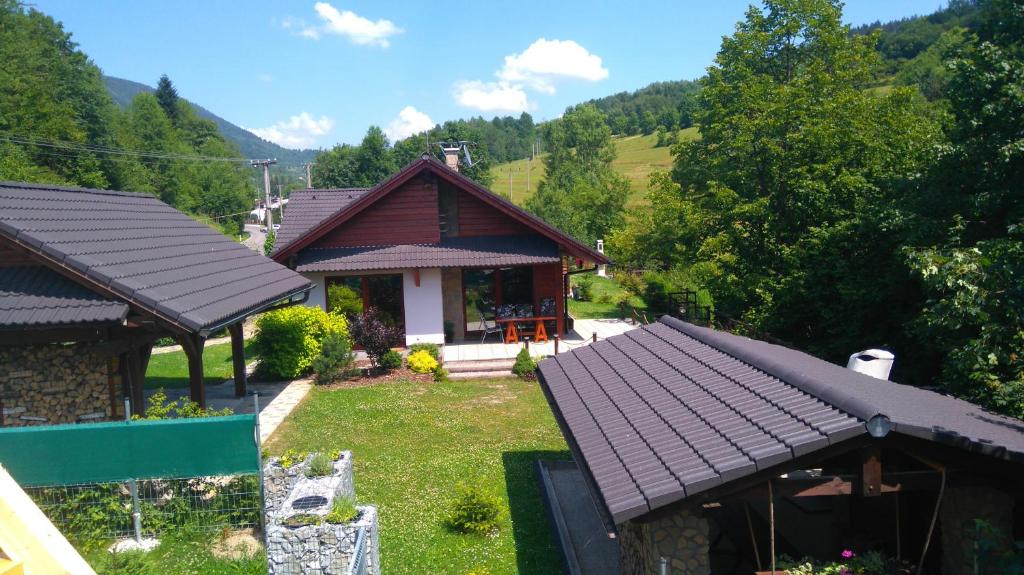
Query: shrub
pixel 335 359
pixel 320 466
pixel 344 300
pixel 376 335
pixel 440 374
pixel 525 365
pixel 422 362
pixel 343 510
pixel 584 287
pixel 269 241
pixel 292 457
pixel 632 283
pixel 432 348
pixel 390 361
pixel 474 510
pixel 288 340
pixel 160 408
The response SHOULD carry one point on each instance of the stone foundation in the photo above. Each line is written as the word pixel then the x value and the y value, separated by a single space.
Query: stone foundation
pixel 681 539
pixel 51 384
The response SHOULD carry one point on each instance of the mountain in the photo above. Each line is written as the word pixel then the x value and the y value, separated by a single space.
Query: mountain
pixel 251 145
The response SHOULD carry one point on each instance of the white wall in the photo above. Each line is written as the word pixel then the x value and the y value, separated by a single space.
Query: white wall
pixel 317 295
pixel 424 318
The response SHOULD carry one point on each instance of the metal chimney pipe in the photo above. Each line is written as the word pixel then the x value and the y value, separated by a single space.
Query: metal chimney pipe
pixel 874 362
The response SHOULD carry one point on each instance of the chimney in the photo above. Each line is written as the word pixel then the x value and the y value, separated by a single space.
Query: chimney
pixel 874 362
pixel 451 157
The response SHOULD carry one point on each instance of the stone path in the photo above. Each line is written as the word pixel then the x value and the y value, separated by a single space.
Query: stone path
pixel 274 413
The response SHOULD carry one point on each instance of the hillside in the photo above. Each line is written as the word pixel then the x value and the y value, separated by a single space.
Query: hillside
pixel 637 158
pixel 251 145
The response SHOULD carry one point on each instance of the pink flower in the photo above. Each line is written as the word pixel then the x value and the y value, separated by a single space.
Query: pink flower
pixel 847 554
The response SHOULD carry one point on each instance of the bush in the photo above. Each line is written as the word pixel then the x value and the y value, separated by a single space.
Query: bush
pixel 584 287
pixel 525 366
pixel 343 510
pixel 432 348
pixel 474 511
pixel 288 340
pixel 390 361
pixel 344 300
pixel 158 407
pixel 632 283
pixel 440 374
pixel 335 359
pixel 320 466
pixel 376 335
pixel 269 241
pixel 422 362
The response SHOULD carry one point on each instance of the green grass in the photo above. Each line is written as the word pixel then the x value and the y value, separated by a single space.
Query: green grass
pixel 637 158
pixel 413 443
pixel 177 554
pixel 605 293
pixel 170 370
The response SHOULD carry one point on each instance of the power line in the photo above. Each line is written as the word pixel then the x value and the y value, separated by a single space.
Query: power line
pixel 92 148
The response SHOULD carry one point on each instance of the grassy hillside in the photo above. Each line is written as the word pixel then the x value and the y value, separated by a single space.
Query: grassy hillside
pixel 637 158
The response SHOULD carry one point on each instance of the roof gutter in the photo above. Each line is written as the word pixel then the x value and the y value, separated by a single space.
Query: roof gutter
pixel 304 292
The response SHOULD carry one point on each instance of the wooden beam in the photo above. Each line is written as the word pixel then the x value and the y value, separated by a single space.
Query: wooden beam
pixel 871 471
pixel 416 276
pixel 238 357
pixel 134 376
pixel 192 345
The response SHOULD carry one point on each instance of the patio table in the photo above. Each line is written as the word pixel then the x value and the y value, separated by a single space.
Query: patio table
pixel 540 334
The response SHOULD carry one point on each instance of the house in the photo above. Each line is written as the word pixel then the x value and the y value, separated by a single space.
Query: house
pixel 714 453
pixel 90 279
pixel 429 247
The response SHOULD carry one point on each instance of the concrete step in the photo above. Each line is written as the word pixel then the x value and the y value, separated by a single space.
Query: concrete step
pixel 482 365
pixel 480 374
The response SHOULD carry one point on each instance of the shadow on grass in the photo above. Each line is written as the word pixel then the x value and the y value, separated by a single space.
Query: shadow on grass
pixel 536 547
pixel 158 382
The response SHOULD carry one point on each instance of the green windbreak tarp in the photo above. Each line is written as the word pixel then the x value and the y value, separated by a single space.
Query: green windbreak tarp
pixel 116 451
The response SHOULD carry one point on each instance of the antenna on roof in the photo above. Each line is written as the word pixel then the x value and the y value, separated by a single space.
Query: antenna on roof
pixel 451 150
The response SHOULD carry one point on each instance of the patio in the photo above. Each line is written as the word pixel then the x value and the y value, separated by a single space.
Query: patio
pixel 583 333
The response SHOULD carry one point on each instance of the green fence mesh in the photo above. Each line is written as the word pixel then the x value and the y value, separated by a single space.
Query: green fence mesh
pixel 116 451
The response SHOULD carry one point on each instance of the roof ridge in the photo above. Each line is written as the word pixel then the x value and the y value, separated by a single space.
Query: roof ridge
pixel 782 370
pixel 75 189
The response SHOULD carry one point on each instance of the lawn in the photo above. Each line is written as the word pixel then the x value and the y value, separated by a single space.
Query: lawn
pixel 184 553
pixel 637 158
pixel 413 443
pixel 605 293
pixel 170 370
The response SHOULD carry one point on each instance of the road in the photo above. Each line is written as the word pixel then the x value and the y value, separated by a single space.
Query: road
pixel 256 237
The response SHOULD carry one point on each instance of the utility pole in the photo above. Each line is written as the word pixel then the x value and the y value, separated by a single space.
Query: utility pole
pixel 266 189
pixel 309 175
pixel 510 182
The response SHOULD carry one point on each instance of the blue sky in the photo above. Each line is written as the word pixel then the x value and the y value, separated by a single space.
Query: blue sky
pixel 312 74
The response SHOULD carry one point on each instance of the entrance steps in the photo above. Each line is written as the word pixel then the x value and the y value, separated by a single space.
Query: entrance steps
pixel 480 368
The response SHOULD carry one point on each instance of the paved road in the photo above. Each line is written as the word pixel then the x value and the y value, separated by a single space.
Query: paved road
pixel 256 237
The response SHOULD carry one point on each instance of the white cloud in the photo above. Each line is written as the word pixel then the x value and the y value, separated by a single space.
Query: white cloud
pixel 409 121
pixel 299 131
pixel 545 60
pixel 492 96
pixel 265 78
pixel 357 29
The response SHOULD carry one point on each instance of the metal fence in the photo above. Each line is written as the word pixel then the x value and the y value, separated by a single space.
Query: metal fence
pixel 90 513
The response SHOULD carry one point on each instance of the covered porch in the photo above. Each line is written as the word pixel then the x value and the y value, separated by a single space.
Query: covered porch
pixel 584 332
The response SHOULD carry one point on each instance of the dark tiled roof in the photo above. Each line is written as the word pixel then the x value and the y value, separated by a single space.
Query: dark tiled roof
pixel 663 412
pixel 309 233
pixel 480 251
pixel 32 296
pixel 307 208
pixel 146 252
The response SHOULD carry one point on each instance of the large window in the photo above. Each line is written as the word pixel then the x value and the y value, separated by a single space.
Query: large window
pixel 354 294
pixel 488 291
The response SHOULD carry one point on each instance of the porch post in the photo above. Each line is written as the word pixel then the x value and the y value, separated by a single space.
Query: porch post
pixel 192 345
pixel 238 357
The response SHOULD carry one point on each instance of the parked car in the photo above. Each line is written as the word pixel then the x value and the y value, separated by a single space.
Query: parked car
pixel 277 227
pixel 263 229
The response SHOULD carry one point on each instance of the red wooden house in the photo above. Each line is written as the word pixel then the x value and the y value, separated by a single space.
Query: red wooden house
pixel 429 247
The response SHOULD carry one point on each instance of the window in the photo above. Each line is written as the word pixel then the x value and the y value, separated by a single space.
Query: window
pixel 353 294
pixel 486 292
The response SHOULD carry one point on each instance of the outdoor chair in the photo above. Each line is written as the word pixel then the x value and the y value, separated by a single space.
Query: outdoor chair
pixel 488 327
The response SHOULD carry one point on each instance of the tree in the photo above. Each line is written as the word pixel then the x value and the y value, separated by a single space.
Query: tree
pixel 167 96
pixel 797 186
pixel 581 193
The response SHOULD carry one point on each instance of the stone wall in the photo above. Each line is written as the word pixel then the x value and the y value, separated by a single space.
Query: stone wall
pixel 681 538
pixel 317 547
pixel 50 384
pixel 961 506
